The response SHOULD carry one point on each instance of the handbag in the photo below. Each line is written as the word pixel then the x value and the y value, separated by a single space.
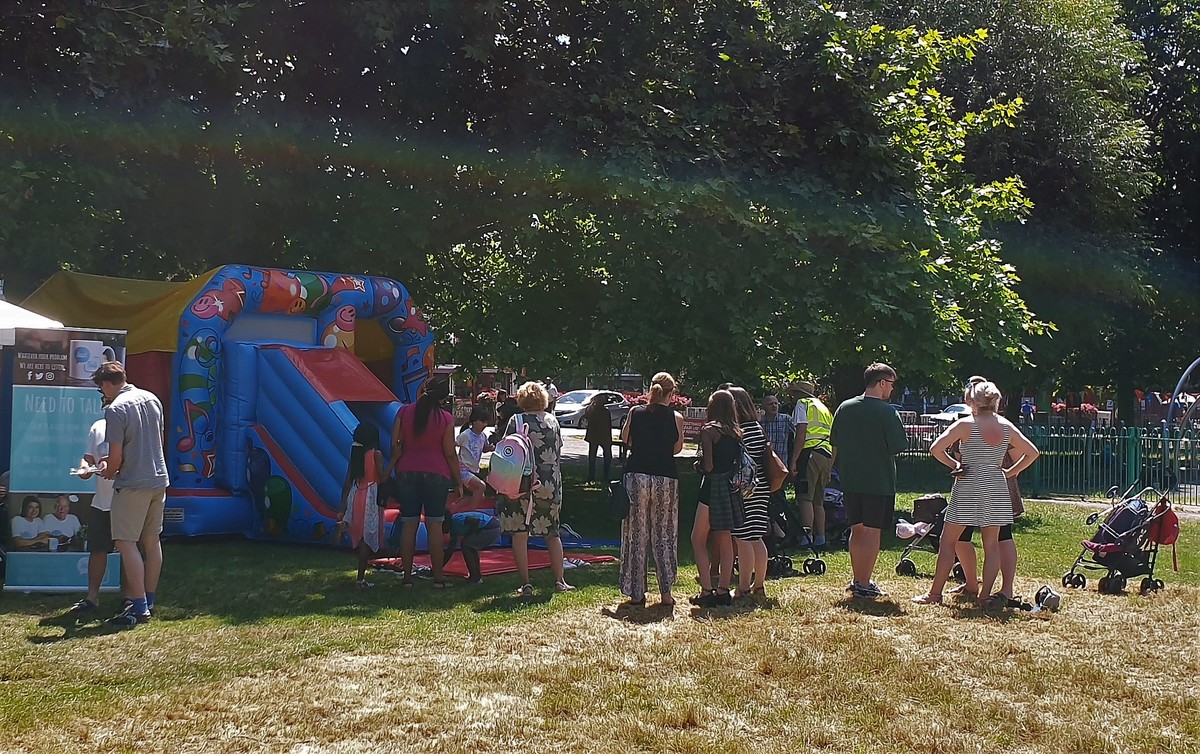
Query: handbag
pixel 777 470
pixel 618 499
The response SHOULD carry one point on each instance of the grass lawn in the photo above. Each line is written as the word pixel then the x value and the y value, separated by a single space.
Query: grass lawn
pixel 261 647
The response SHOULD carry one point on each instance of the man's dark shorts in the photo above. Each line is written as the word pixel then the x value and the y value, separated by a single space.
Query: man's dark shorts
pixel 872 511
pixel 99 534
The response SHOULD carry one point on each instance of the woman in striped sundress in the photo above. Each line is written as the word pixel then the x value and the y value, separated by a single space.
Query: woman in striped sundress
pixel 980 496
pixel 748 538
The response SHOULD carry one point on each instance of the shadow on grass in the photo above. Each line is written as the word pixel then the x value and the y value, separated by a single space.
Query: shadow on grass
pixel 881 608
pixel 642 615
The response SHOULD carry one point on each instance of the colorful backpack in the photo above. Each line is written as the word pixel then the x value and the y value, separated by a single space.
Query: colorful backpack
pixel 511 472
pixel 745 473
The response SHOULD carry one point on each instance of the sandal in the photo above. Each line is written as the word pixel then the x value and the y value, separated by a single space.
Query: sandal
pixel 562 586
pixel 631 602
pixel 703 598
pixel 526 591
pixel 997 601
pixel 927 599
pixel 442 584
pixel 364 584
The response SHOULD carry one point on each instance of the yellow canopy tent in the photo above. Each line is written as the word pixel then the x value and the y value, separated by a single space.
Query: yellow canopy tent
pixel 150 310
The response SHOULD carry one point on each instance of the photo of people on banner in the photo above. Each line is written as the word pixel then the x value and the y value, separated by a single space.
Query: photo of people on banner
pixel 48 523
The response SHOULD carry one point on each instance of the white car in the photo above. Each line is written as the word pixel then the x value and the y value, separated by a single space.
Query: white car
pixel 571 406
pixel 949 414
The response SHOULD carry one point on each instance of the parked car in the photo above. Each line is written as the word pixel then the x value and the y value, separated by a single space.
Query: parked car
pixel 571 406
pixel 949 414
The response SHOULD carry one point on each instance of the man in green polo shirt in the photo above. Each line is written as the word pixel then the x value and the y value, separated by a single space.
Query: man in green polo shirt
pixel 867 435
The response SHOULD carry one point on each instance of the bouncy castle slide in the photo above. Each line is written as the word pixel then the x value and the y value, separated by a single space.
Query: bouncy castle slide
pixel 298 410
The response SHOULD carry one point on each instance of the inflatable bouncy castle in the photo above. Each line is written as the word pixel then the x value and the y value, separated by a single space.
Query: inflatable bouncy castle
pixel 264 373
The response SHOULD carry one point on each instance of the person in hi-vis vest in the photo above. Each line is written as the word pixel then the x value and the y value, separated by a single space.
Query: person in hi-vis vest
pixel 812 457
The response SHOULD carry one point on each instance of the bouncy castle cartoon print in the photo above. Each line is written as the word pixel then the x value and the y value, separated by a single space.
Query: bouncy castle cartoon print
pixel 268 378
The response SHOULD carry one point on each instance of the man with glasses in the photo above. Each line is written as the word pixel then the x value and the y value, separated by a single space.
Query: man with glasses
pixel 867 435
pixel 134 431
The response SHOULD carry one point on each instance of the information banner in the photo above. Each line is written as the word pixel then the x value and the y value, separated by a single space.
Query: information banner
pixel 49 429
pixel 54 403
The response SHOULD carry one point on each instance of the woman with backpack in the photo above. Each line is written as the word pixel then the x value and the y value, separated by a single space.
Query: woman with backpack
pixel 751 547
pixel 517 518
pixel 425 461
pixel 717 511
pixel 654 435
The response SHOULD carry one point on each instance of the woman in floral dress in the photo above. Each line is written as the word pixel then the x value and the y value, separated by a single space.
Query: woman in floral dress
pixel 546 438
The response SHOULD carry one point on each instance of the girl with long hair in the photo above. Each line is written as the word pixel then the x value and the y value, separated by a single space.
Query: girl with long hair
pixel 361 513
pixel 748 537
pixel 718 513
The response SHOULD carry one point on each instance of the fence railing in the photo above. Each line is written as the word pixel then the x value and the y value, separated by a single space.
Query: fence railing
pixel 1084 462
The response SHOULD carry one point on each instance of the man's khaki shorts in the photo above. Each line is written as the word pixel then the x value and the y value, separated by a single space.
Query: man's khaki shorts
pixel 137 513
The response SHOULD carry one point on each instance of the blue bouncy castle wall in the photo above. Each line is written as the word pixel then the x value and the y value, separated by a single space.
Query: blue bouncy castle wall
pixel 268 392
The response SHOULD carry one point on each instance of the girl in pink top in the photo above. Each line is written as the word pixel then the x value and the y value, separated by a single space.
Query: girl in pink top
pixel 425 461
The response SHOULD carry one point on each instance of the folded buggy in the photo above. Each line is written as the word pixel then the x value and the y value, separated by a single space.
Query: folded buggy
pixel 1126 543
pixel 929 510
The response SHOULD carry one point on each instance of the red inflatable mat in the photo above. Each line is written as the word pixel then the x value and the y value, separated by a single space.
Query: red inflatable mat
pixel 494 562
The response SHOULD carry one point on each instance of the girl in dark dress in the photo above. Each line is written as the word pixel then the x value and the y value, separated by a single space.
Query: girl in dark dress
pixel 718 512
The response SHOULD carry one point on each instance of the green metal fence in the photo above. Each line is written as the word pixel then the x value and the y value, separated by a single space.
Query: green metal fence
pixel 1085 463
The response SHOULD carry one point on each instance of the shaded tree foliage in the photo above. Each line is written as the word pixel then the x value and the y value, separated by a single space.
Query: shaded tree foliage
pixel 729 188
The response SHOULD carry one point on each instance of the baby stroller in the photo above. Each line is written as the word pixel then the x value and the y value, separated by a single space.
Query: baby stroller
pixel 930 510
pixel 1126 544
pixel 837 525
pixel 786 533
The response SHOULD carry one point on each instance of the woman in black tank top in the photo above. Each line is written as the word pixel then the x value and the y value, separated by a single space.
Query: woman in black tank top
pixel 653 434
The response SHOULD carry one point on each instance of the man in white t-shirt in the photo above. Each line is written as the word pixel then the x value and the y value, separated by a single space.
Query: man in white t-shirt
pixel 99 538
pixel 552 391
pixel 62 524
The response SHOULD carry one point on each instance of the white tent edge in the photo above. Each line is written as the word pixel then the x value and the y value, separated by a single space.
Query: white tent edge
pixel 13 316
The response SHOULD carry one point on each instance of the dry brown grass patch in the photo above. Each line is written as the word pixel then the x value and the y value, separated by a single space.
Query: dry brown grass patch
pixel 1107 674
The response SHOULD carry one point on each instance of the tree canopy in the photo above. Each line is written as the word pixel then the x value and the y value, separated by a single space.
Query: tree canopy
pixel 729 188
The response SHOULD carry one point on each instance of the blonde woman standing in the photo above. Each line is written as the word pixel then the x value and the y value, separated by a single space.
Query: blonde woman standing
pixel 543 521
pixel 980 496
pixel 654 435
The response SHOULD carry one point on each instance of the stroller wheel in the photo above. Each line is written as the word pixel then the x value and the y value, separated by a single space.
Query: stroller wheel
pixel 1092 519
pixel 1118 584
pixel 1158 584
pixel 818 567
pixel 1067 579
pixel 785 564
pixel 1105 585
pixel 1080 581
pixel 906 568
pixel 808 565
pixel 958 573
pixel 1147 585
